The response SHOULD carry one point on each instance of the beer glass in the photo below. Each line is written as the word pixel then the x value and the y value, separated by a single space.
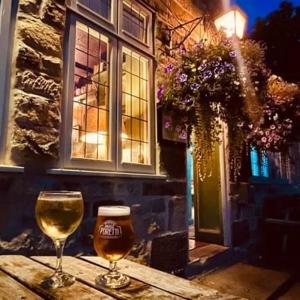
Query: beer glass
pixel 58 214
pixel 113 239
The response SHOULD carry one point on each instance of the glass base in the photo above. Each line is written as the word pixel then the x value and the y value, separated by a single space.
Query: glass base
pixel 58 280
pixel 114 280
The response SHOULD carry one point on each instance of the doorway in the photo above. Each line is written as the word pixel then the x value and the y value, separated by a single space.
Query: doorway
pixel 207 199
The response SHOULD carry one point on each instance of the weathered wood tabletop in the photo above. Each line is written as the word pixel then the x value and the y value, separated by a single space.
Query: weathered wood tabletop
pixel 20 278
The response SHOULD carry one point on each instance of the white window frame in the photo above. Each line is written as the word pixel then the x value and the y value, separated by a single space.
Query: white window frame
pixel 146 46
pixel 136 167
pixel 5 29
pixel 112 31
pixel 84 163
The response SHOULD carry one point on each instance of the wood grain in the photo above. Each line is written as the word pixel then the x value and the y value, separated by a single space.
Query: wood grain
pixel 12 289
pixel 30 273
pixel 87 272
pixel 167 282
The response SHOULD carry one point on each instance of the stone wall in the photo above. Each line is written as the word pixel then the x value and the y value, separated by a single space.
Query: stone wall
pixel 158 205
pixel 37 80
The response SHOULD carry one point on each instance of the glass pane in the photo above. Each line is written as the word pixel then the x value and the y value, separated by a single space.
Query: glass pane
pixel 134 20
pixel 81 38
pixel 135 84
pixel 126 85
pixel 135 107
pixel 101 7
pixel 81 67
pixel 127 62
pixel 90 136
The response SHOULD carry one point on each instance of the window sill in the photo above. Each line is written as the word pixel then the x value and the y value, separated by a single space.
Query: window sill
pixel 76 172
pixel 11 169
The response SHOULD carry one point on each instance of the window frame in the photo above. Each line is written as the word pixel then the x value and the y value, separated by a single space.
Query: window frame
pixel 146 46
pixel 136 167
pixel 6 28
pixel 112 31
pixel 89 14
pixel 86 163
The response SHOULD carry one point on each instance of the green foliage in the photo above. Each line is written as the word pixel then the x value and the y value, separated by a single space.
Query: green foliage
pixel 214 83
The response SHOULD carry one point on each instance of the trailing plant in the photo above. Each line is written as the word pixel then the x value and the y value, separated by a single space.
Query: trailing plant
pixel 214 83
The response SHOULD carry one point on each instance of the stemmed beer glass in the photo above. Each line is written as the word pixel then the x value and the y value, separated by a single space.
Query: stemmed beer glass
pixel 58 214
pixel 113 239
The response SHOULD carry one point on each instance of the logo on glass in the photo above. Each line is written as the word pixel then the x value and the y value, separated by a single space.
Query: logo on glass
pixel 110 230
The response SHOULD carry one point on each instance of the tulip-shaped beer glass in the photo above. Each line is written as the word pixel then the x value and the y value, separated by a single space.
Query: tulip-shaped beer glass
pixel 113 239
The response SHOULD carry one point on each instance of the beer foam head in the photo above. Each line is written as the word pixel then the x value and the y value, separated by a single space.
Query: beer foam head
pixel 113 211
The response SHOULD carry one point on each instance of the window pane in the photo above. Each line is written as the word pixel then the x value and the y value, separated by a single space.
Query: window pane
pixel 135 107
pixel 134 20
pixel 90 137
pixel 101 7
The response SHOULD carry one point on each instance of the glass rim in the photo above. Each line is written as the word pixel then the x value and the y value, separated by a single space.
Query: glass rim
pixel 60 193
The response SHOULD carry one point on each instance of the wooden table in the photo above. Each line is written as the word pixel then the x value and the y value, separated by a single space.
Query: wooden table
pixel 20 278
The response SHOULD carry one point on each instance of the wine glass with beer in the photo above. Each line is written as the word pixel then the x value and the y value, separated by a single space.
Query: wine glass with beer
pixel 58 214
pixel 113 239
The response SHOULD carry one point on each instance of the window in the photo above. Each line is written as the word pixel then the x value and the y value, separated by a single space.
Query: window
pixel 91 103
pixel 135 107
pixel 134 21
pixel 109 105
pixel 259 163
pixel 100 7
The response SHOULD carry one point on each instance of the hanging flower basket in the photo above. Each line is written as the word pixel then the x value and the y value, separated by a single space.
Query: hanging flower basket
pixel 210 84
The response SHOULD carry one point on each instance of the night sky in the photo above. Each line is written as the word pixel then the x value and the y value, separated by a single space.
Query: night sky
pixel 259 8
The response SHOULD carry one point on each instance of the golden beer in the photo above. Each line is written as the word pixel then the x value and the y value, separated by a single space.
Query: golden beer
pixel 113 239
pixel 58 218
pixel 58 214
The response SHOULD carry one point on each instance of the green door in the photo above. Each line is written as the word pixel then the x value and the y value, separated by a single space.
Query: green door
pixel 208 208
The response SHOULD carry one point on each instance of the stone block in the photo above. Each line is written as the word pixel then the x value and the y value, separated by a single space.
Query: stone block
pixel 38 84
pixel 95 188
pixel 29 6
pixel 127 189
pixel 169 252
pixel 164 188
pixel 29 144
pixel 35 112
pixel 40 36
pixel 52 66
pixel 54 14
pixel 158 205
pixel 28 58
pixel 178 213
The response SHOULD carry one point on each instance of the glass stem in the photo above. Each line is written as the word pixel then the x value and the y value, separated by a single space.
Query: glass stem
pixel 112 267
pixel 59 247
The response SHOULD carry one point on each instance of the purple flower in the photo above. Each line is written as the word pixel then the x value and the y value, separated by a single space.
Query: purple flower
pixel 183 135
pixel 215 63
pixel 264 139
pixel 232 54
pixel 207 74
pixel 188 100
pixel 195 86
pixel 168 124
pixel 169 68
pixel 202 67
pixel 160 92
pixel 183 77
pixel 219 71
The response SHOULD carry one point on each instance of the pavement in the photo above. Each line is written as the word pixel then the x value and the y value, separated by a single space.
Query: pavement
pixel 252 282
